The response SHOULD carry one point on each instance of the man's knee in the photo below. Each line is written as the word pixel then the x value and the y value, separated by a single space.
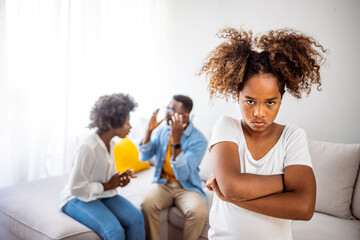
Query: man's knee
pixel 198 212
pixel 150 205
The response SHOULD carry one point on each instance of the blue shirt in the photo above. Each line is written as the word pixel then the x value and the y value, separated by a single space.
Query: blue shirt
pixel 186 164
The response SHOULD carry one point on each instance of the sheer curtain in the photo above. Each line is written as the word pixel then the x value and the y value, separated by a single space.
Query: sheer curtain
pixel 57 57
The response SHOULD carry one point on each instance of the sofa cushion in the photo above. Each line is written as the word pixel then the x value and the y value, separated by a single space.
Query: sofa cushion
pixel 138 187
pixel 30 210
pixel 335 167
pixel 323 226
pixel 25 211
pixel 205 165
pixel 355 205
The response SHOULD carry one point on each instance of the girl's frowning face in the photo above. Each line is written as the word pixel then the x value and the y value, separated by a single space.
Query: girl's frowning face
pixel 260 101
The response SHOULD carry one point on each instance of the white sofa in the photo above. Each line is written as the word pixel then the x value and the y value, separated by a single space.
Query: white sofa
pixel 30 210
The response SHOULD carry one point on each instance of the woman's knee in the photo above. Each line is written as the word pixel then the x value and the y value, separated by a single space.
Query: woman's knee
pixel 114 233
pixel 138 218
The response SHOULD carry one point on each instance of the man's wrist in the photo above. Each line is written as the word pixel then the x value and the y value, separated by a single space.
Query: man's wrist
pixel 176 145
pixel 175 139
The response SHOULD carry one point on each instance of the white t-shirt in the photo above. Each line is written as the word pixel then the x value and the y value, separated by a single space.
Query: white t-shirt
pixel 231 222
pixel 93 166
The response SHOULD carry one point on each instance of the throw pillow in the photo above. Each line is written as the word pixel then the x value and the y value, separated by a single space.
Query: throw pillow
pixel 127 156
pixel 355 207
pixel 335 167
pixel 205 166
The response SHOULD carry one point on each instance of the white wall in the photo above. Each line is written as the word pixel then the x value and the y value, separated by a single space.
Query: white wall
pixel 188 31
pixel 57 57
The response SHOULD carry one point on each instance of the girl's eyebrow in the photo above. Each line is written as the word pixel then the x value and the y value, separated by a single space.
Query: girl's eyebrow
pixel 249 97
pixel 269 99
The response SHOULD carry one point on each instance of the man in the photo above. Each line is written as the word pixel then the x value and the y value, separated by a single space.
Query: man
pixel 179 148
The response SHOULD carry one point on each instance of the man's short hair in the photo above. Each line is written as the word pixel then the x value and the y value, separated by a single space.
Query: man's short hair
pixel 185 100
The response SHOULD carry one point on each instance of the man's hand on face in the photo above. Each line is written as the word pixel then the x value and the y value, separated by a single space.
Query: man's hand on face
pixel 178 124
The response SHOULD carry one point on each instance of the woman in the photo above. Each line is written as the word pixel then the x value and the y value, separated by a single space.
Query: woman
pixel 263 175
pixel 90 196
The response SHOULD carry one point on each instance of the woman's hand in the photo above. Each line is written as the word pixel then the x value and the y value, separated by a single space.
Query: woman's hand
pixel 131 173
pixel 125 177
pixel 119 180
pixel 113 183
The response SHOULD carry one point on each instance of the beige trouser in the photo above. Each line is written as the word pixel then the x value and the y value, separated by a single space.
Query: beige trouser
pixel 190 203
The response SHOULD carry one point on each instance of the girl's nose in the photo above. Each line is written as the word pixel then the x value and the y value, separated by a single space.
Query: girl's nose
pixel 259 112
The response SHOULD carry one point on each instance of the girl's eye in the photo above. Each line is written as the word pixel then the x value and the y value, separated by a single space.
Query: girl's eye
pixel 270 103
pixel 249 101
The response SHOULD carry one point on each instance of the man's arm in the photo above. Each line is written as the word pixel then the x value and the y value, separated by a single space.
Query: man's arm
pixel 153 123
pixel 147 147
pixel 297 202
pixel 177 127
pixel 235 185
pixel 187 161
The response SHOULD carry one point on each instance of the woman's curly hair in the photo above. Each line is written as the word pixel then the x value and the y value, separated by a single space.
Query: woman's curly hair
pixel 292 57
pixel 111 111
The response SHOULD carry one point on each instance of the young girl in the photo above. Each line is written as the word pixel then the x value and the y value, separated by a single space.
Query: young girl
pixel 263 175
pixel 90 196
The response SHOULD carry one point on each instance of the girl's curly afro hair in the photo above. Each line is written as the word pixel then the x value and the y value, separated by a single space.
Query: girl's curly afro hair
pixel 111 111
pixel 292 57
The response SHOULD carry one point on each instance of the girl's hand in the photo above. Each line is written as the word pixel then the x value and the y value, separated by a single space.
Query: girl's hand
pixel 210 181
pixel 212 185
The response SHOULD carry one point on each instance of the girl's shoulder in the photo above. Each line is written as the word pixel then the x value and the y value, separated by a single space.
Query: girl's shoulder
pixel 226 129
pixel 228 121
pixel 292 132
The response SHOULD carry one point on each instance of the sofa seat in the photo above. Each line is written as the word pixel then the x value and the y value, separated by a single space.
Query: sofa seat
pixel 30 210
pixel 323 226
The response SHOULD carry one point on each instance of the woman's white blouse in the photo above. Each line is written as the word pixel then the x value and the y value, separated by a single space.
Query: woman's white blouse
pixel 93 166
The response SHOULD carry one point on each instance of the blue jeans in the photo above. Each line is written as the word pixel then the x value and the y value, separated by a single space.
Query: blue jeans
pixel 112 218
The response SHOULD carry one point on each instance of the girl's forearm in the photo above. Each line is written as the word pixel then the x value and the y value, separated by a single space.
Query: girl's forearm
pixel 247 186
pixel 286 205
